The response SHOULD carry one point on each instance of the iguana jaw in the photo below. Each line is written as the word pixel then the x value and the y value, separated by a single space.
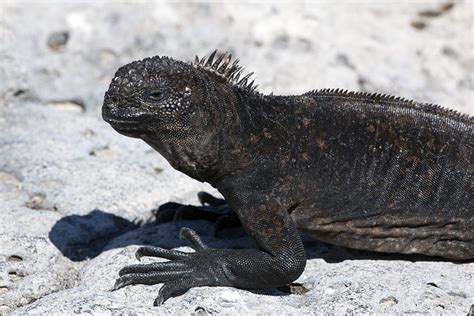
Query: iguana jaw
pixel 127 128
pixel 127 121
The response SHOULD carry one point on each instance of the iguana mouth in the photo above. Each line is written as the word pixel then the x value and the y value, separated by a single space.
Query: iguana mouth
pixel 125 124
pixel 121 117
pixel 127 127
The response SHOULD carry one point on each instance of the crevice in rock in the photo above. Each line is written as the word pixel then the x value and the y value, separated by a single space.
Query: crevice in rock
pixel 14 258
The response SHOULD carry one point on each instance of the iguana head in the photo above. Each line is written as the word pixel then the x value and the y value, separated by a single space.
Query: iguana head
pixel 150 97
pixel 174 106
pixel 162 95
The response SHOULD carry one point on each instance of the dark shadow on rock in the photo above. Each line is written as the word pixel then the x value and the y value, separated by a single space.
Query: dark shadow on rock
pixel 166 235
pixel 83 237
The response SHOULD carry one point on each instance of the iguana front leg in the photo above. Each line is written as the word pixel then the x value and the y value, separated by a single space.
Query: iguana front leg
pixel 279 259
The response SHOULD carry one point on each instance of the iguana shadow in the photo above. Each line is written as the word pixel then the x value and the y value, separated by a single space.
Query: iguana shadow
pixel 81 237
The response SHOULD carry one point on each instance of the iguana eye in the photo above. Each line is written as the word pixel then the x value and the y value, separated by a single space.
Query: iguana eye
pixel 155 95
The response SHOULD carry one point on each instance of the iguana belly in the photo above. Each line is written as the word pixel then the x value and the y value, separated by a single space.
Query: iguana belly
pixel 452 238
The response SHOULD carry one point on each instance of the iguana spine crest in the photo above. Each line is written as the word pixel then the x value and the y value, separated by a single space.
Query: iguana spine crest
pixel 381 97
pixel 221 66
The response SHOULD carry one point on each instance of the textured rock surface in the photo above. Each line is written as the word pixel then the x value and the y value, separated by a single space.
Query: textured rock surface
pixel 73 192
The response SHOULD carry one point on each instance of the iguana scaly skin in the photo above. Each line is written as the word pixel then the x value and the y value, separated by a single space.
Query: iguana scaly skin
pixel 366 171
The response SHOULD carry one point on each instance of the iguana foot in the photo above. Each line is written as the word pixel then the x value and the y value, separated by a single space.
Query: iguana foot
pixel 175 274
pixel 211 209
pixel 243 268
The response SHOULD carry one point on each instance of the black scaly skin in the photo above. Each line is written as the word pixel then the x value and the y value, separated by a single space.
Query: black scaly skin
pixel 364 171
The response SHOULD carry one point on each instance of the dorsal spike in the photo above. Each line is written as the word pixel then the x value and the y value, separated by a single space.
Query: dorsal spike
pixel 236 62
pixel 224 65
pixel 219 59
pixel 210 59
pixel 237 75
pixel 247 75
pixel 220 64
pixel 242 82
pixel 251 84
pixel 232 70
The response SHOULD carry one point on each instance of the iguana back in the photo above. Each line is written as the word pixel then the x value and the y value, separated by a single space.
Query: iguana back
pixel 386 174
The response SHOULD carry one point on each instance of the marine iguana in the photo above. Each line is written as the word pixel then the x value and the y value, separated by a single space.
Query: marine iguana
pixel 366 171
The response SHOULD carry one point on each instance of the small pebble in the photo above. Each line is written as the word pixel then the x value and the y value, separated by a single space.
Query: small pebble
pixel 387 302
pixel 57 40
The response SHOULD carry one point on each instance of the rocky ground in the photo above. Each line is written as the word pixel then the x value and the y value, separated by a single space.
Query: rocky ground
pixel 74 194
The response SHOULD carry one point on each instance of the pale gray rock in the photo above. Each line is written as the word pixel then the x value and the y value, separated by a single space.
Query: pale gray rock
pixel 30 264
pixel 74 193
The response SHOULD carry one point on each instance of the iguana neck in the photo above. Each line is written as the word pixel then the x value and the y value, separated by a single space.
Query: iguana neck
pixel 253 130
